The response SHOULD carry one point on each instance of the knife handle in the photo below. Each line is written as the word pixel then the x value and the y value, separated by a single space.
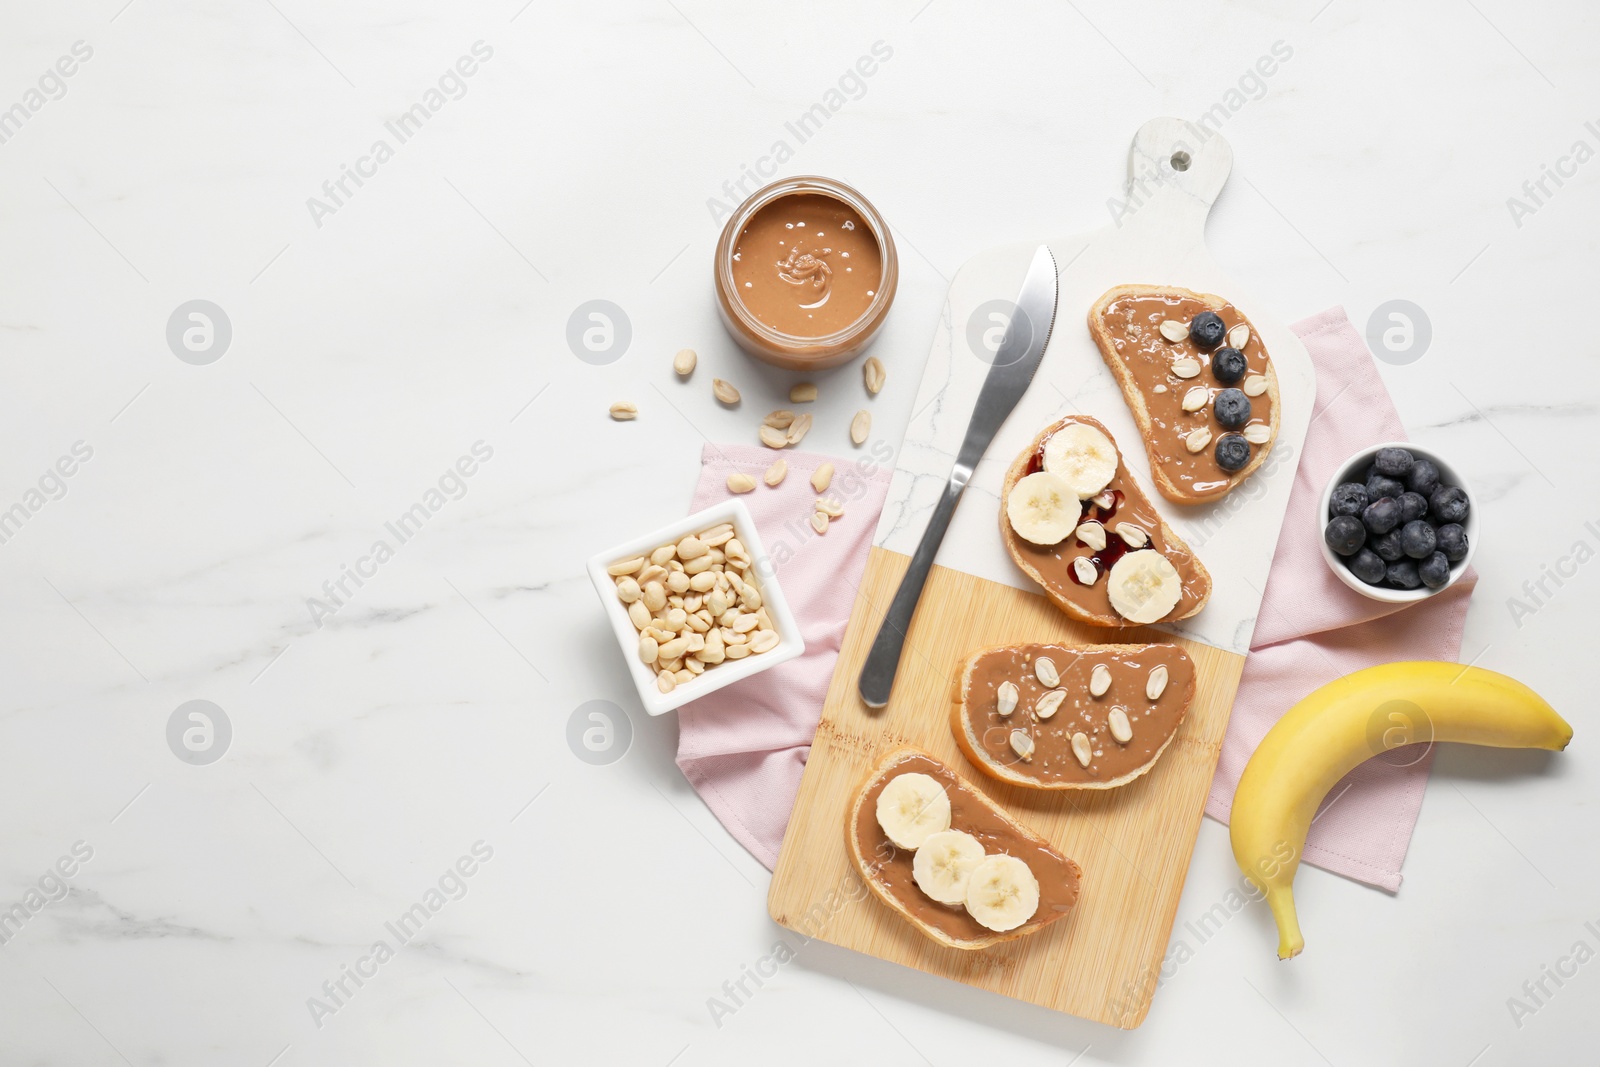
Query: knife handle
pixel 883 661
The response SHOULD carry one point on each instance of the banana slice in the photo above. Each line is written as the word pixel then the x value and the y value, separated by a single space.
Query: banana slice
pixel 911 808
pixel 1081 456
pixel 1002 893
pixel 944 864
pixel 1144 586
pixel 1043 509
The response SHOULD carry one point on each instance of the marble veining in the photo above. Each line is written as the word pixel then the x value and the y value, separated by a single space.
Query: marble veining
pixel 616 921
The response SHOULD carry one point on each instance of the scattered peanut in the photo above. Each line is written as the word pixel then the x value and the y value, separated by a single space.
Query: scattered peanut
pixel 778 420
pixel 740 482
pixel 724 392
pixel 821 478
pixel 873 374
pixel 683 363
pixel 776 473
pixel 773 438
pixel 860 426
pixel 799 428
pixel 802 393
pixel 624 411
pixel 819 522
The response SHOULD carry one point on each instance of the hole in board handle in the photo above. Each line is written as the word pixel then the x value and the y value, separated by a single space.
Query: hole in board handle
pixel 1180 160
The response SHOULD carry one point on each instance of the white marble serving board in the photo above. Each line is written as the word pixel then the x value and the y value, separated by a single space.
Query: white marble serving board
pixel 1158 240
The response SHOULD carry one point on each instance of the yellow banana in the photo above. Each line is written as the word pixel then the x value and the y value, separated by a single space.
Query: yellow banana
pixel 1345 723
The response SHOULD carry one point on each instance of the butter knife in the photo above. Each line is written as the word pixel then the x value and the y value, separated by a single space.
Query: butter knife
pixel 1015 361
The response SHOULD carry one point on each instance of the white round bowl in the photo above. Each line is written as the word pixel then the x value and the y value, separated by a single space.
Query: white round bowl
pixel 1354 470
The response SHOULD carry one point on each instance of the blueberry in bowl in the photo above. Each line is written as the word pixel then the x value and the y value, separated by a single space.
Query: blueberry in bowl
pixel 1452 542
pixel 1435 571
pixel 1382 515
pixel 1418 539
pixel 1397 522
pixel 1424 477
pixel 1388 547
pixel 1369 567
pixel 1402 574
pixel 1349 498
pixel 1345 534
pixel 1395 462
pixel 1449 502
pixel 1381 485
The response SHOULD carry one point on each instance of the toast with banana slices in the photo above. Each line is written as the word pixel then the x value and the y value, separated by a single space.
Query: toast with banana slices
pixel 1075 521
pixel 949 860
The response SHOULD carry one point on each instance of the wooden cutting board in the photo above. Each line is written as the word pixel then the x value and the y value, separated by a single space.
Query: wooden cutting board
pixel 1133 843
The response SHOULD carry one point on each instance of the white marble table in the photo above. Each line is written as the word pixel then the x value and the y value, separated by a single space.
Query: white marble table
pixel 418 719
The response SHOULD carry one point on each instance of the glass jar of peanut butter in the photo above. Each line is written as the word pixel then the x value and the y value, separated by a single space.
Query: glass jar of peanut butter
pixel 805 273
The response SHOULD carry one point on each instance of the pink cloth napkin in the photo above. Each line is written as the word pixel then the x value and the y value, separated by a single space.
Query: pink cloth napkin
pixel 743 748
pixel 1312 629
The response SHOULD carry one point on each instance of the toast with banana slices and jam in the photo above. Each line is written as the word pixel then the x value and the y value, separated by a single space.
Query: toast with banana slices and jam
pixel 1075 521
pixel 1199 381
pixel 949 860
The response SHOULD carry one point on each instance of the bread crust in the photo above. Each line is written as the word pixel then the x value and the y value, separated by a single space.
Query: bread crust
pixel 967 741
pixel 1073 609
pixel 864 866
pixel 1135 396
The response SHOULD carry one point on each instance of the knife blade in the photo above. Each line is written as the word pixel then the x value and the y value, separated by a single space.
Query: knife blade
pixel 1015 361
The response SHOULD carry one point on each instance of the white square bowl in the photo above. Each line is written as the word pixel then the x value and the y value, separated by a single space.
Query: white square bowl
pixel 790 643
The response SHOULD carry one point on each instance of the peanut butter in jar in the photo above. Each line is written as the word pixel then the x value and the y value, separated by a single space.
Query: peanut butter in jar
pixel 805 273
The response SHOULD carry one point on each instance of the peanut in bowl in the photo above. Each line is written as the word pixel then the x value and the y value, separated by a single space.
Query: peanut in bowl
pixel 659 592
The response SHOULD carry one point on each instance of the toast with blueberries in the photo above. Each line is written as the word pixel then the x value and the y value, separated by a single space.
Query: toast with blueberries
pixel 1199 381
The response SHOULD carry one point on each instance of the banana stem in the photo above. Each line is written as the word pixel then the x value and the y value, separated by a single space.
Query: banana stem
pixel 1281 900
